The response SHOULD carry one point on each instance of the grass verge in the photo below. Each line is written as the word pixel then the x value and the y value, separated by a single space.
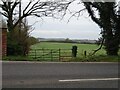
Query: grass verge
pixel 99 58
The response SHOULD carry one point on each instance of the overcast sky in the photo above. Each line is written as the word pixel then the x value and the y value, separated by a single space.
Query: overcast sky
pixel 82 28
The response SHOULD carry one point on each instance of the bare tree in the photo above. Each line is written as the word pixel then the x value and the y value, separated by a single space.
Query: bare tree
pixel 31 8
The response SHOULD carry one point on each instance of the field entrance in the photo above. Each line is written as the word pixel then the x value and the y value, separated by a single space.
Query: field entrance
pixel 51 54
pixel 54 51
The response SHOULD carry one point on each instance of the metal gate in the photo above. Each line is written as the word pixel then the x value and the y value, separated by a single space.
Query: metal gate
pixel 51 54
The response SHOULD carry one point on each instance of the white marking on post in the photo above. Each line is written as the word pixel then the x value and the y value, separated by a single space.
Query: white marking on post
pixel 97 79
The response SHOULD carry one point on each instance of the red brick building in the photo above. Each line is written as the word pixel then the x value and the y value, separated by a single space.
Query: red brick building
pixel 4 41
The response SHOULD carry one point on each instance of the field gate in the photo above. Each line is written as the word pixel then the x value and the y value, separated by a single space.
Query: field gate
pixel 51 54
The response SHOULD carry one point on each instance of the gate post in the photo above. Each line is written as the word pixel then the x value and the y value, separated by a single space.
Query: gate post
pixel 59 54
pixel 51 53
pixel 74 51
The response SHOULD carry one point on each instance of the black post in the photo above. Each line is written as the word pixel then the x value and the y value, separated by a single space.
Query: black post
pixel 85 53
pixel 74 51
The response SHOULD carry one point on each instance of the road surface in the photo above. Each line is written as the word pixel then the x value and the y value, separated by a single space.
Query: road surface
pixel 59 75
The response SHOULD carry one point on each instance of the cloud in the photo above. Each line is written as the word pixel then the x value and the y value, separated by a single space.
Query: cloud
pixel 83 27
pixel 67 33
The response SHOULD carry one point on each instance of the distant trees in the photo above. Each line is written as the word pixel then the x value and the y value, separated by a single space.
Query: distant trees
pixel 67 40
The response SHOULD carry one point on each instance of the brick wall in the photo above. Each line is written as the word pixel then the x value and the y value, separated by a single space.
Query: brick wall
pixel 4 41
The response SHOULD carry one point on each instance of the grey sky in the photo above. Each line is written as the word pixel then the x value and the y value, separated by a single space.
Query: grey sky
pixel 83 28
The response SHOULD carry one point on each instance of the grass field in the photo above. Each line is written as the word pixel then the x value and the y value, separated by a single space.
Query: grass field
pixel 100 56
pixel 81 47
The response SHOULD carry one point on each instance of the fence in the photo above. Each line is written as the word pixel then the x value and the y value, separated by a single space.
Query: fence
pixel 51 54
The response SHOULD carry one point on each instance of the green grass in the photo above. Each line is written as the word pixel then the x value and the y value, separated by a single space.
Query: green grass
pixel 100 56
pixel 97 58
pixel 16 58
pixel 81 47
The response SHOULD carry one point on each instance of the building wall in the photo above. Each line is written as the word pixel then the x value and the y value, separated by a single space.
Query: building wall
pixel 4 41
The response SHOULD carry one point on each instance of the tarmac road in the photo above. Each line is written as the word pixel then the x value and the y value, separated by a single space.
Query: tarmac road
pixel 59 75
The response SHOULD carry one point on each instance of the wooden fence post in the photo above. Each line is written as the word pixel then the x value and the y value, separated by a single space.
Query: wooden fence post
pixel 35 54
pixel 43 53
pixel 51 55
pixel 59 54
